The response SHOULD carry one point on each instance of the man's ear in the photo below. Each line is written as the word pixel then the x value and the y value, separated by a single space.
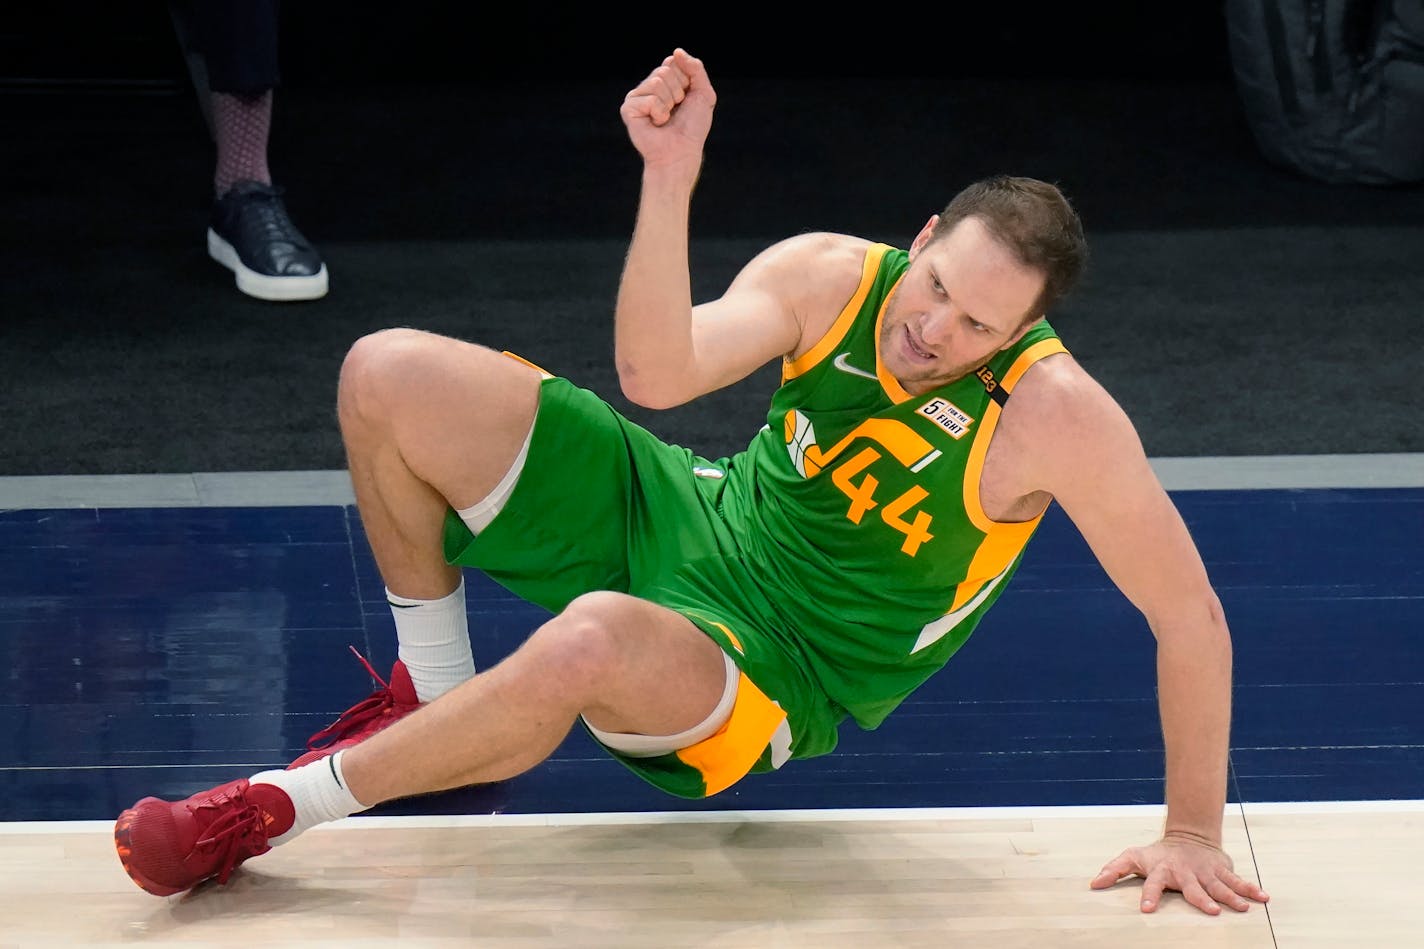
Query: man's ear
pixel 923 238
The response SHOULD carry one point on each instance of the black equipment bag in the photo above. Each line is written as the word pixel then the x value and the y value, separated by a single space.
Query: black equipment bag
pixel 1333 89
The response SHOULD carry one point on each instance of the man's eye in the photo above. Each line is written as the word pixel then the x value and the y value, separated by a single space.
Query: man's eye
pixel 978 327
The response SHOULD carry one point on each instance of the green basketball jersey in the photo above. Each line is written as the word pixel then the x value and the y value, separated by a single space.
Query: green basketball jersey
pixel 859 504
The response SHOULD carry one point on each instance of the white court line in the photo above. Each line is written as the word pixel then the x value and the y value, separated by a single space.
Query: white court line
pixel 285 489
pixel 217 489
pixel 1040 812
pixel 301 488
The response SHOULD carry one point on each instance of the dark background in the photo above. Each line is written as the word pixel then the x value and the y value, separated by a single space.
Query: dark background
pixel 463 169
pixel 328 42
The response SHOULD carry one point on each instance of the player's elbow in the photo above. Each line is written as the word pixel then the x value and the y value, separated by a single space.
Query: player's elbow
pixel 1197 616
pixel 648 393
pixel 650 400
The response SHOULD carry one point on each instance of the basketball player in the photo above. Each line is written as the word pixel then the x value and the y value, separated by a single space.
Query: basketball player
pixel 715 618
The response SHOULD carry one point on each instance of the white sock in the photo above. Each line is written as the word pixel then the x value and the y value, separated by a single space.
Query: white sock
pixel 318 792
pixel 434 641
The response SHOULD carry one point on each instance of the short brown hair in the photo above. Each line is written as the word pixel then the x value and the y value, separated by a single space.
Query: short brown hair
pixel 1035 221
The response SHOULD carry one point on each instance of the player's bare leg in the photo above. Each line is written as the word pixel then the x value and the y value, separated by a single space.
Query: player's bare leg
pixel 429 422
pixel 629 666
pixel 625 664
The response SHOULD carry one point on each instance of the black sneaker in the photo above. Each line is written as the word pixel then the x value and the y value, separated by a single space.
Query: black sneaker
pixel 250 234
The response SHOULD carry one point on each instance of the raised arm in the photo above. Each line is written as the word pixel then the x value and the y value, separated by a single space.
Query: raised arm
pixel 1089 457
pixel 667 353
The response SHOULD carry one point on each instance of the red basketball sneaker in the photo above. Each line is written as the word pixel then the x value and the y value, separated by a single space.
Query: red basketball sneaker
pixel 167 848
pixel 388 704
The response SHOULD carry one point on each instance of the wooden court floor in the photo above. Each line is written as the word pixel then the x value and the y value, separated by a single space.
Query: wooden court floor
pixel 1339 876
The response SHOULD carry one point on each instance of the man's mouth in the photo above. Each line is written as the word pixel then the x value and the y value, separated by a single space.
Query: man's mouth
pixel 917 350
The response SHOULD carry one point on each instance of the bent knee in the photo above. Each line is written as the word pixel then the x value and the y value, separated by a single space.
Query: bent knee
pixel 392 369
pixel 596 617
pixel 584 638
pixel 608 632
pixel 392 372
pixel 377 359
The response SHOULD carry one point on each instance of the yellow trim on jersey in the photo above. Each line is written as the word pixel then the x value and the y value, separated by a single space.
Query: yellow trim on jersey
pixel 888 382
pixel 727 756
pixel 1003 540
pixel 994 555
pixel 1040 349
pixel 540 369
pixel 791 368
pixel 731 637
pixel 973 505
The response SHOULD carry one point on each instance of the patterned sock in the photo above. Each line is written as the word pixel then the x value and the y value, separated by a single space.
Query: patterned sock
pixel 241 125
pixel 434 641
pixel 318 793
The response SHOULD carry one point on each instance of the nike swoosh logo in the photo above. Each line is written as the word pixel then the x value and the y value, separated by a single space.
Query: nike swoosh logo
pixel 841 363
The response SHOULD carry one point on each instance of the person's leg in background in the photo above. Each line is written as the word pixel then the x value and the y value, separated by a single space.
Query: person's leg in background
pixel 232 50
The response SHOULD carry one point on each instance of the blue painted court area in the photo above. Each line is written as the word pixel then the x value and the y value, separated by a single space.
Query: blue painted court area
pixel 162 650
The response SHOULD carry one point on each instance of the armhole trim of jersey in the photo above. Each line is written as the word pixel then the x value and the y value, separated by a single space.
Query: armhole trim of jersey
pixel 791 368
pixel 974 470
pixel 537 368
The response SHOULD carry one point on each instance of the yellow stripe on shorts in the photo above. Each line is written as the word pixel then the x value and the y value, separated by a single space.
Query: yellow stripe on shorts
pixel 725 758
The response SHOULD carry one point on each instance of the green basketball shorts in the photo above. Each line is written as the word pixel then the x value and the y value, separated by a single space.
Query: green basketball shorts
pixel 603 504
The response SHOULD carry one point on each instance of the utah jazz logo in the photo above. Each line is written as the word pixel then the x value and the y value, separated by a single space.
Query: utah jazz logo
pixel 903 443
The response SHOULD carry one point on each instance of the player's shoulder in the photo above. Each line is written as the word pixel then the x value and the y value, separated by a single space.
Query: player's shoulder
pixel 1057 376
pixel 1060 426
pixel 1059 402
pixel 815 265
pixel 823 250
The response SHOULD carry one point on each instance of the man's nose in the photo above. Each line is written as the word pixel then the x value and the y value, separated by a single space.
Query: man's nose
pixel 936 326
